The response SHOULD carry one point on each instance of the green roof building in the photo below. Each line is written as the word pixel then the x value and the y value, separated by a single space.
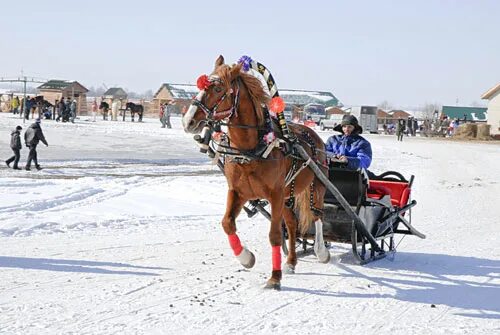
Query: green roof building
pixel 469 113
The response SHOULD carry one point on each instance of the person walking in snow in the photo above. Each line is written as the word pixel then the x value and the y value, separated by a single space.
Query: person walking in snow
pixel 32 137
pixel 167 112
pixel 15 145
pixel 72 111
pixel 400 129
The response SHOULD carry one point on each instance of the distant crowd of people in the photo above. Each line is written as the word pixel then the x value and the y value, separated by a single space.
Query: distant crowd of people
pixel 66 110
pixel 438 127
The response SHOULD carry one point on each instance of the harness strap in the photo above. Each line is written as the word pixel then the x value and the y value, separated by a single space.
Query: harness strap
pixel 302 167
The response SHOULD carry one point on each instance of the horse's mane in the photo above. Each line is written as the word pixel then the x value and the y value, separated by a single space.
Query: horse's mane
pixel 254 87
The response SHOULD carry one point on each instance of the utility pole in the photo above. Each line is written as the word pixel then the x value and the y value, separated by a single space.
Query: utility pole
pixel 23 79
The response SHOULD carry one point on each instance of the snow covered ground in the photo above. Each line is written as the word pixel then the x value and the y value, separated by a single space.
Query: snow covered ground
pixel 120 234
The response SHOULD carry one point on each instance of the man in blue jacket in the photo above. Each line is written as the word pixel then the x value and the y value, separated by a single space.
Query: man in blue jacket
pixel 350 148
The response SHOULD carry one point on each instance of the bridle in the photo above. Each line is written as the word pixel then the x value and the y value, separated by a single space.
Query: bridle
pixel 213 114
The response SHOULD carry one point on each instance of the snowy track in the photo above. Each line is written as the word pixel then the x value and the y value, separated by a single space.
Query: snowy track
pixel 114 239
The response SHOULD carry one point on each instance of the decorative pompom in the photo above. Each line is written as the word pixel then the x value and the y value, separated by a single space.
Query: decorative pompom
pixel 269 137
pixel 203 83
pixel 277 105
pixel 246 61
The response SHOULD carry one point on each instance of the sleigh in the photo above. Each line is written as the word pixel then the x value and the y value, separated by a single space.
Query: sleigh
pixel 382 206
pixel 252 149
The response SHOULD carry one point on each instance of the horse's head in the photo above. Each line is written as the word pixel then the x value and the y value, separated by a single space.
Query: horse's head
pixel 129 105
pixel 215 101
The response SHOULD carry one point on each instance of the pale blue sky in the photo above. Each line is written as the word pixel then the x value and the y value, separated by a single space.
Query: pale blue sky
pixel 365 52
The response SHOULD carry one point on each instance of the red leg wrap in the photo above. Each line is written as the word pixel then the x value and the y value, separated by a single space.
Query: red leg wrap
pixel 234 242
pixel 277 258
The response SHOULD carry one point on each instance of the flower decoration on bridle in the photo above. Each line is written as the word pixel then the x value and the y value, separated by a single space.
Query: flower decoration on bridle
pixel 203 82
pixel 246 61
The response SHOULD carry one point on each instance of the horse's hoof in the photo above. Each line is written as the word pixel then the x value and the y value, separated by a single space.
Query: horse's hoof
pixel 327 260
pixel 273 285
pixel 323 255
pixel 289 269
pixel 246 258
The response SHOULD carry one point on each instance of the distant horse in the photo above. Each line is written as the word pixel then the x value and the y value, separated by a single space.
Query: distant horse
pixel 104 106
pixel 37 105
pixel 234 98
pixel 139 109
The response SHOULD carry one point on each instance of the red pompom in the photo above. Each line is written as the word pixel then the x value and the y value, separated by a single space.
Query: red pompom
pixel 203 83
pixel 277 105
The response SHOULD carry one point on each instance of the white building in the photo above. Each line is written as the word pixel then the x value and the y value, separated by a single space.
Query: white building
pixel 493 118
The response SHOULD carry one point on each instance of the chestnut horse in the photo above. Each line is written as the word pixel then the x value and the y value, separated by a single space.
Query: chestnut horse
pixel 235 98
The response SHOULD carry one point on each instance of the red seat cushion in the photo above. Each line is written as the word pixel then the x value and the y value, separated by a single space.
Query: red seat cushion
pixel 399 191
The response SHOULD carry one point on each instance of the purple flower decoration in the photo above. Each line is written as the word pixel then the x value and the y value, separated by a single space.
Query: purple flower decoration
pixel 247 61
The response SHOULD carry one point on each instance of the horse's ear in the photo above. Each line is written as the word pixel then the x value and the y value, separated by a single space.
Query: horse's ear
pixel 235 70
pixel 219 61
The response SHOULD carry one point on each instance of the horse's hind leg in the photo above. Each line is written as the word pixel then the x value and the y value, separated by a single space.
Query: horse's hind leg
pixel 291 227
pixel 233 207
pixel 317 200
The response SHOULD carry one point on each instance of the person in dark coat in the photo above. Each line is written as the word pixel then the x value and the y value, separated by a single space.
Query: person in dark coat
pixel 15 145
pixel 28 105
pixel 60 109
pixel 32 137
pixel 400 129
pixel 350 148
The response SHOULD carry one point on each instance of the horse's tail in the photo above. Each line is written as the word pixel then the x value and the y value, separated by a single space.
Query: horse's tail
pixel 303 204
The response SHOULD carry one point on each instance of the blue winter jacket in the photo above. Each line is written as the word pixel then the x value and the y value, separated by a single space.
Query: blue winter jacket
pixel 357 150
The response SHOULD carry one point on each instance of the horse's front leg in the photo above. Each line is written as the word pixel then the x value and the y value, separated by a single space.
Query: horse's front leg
pixel 234 205
pixel 291 227
pixel 277 205
pixel 133 114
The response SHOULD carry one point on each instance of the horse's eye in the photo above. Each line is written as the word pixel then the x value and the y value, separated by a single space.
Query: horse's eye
pixel 218 89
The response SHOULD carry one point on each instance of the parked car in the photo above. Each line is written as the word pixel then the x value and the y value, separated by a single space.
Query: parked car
pixel 315 112
pixel 331 121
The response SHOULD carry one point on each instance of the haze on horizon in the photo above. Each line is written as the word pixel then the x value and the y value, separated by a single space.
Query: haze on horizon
pixel 407 53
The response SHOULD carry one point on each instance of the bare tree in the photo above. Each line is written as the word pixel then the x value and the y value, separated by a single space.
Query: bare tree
pixel 385 105
pixel 429 110
pixel 148 94
pixel 96 91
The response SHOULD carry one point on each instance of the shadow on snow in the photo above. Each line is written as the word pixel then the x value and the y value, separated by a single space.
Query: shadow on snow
pixel 454 281
pixel 66 265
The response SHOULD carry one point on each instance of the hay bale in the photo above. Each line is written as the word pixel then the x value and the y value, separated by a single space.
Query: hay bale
pixel 483 131
pixel 466 131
